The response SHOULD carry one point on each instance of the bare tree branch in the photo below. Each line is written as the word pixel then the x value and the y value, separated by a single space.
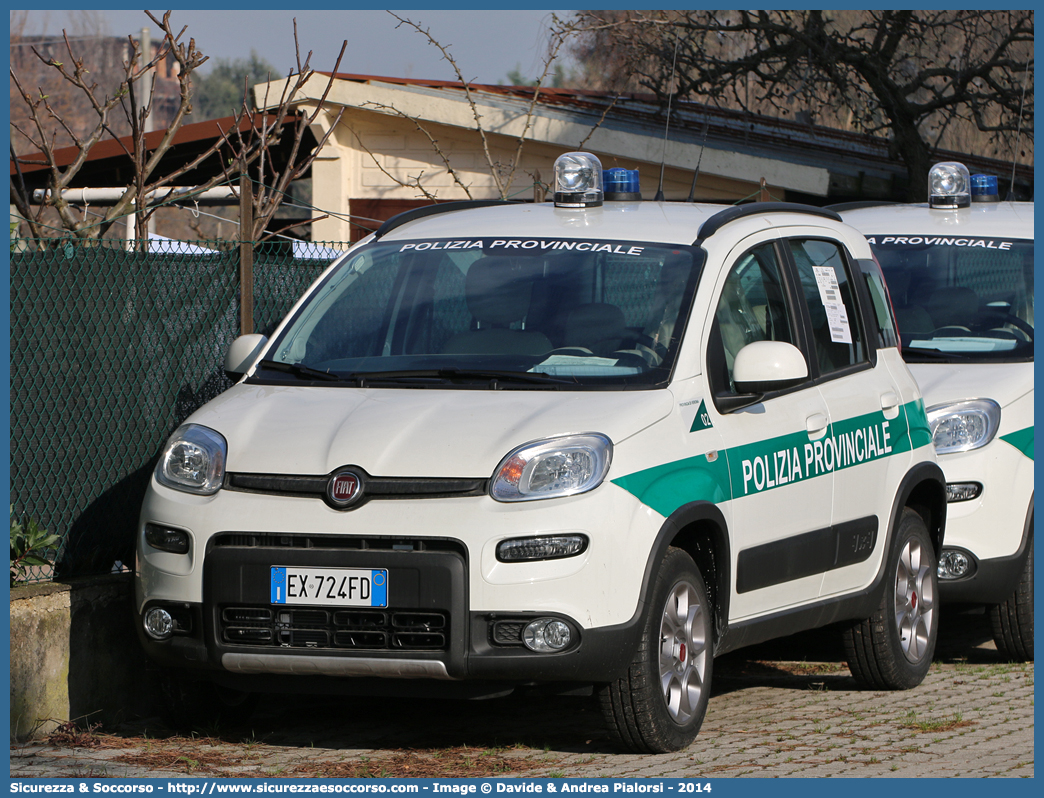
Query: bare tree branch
pixel 926 79
pixel 434 144
pixel 494 172
pixel 248 142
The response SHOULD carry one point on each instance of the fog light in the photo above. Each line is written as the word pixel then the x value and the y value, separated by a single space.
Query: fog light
pixel 159 625
pixel 962 491
pixel 167 538
pixel 955 564
pixel 549 547
pixel 545 635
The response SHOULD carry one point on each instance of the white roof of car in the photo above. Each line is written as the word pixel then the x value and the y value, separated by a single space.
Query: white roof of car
pixel 988 219
pixel 660 222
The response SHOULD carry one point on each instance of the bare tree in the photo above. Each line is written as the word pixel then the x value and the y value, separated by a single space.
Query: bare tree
pixel 254 141
pixel 923 78
pixel 105 62
pixel 130 98
pixel 247 144
pixel 502 173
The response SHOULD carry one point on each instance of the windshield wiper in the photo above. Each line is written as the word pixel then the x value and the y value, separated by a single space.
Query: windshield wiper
pixel 491 375
pixel 507 376
pixel 931 354
pixel 361 378
pixel 299 370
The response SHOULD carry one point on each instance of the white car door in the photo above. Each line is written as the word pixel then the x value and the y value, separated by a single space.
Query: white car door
pixel 866 448
pixel 780 511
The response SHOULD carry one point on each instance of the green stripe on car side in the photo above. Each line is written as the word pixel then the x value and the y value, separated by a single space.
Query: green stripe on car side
pixel 667 487
pixel 1021 440
pixel 917 419
pixel 775 462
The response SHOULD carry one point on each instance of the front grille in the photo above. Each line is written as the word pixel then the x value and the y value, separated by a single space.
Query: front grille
pixel 270 540
pixel 387 630
pixel 369 488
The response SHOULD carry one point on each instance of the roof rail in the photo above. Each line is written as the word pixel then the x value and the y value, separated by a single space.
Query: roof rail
pixel 722 218
pixel 857 204
pixel 400 219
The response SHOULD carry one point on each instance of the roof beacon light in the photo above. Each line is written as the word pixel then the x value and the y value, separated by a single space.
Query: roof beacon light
pixel 949 186
pixel 621 185
pixel 984 188
pixel 578 180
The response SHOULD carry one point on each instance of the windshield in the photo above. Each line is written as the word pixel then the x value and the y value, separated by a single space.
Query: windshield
pixel 960 299
pixel 484 312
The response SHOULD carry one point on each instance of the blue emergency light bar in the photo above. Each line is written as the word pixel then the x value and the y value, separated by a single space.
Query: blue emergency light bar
pixel 984 188
pixel 620 184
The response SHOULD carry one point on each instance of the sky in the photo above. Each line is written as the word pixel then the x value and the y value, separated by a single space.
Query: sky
pixel 486 44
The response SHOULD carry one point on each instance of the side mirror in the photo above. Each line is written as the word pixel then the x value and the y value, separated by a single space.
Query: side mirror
pixel 765 366
pixel 242 354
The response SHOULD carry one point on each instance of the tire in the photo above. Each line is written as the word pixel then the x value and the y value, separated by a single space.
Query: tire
pixel 190 706
pixel 1012 619
pixel 659 705
pixel 893 648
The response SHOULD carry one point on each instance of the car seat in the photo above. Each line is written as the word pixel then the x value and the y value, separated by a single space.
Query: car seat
pixel 953 308
pixel 498 291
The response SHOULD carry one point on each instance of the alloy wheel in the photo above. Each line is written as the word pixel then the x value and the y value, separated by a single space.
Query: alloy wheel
pixel 914 601
pixel 683 652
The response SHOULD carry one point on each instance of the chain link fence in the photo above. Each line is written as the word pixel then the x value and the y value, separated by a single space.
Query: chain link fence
pixel 110 351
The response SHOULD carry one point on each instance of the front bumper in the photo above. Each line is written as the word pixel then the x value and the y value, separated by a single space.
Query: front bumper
pixel 426 632
pixel 454 612
pixel 994 528
pixel 993 580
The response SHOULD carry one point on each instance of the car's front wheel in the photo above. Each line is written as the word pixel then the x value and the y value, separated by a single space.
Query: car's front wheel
pixel 189 705
pixel 659 704
pixel 893 648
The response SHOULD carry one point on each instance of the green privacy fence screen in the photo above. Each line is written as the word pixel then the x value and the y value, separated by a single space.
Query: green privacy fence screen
pixel 110 351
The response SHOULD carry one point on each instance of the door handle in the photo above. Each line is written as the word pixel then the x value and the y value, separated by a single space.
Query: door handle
pixel 890 404
pixel 816 424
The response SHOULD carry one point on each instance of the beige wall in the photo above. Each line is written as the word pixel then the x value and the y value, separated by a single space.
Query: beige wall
pixel 370 151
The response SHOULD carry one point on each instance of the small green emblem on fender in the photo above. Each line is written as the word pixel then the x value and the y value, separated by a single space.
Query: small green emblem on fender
pixel 702 420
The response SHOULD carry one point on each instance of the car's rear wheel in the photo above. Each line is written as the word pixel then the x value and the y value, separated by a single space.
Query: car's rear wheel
pixel 893 648
pixel 1012 619
pixel 659 705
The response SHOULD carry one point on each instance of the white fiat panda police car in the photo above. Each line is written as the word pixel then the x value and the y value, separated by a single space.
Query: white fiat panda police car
pixel 960 272
pixel 589 442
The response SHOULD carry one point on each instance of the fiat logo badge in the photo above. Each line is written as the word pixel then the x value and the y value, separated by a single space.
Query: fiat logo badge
pixel 344 488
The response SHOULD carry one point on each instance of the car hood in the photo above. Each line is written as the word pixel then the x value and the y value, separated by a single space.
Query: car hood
pixel 952 382
pixel 423 432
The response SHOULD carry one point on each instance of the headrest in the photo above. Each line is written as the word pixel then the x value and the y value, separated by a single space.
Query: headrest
pixel 498 290
pixel 953 305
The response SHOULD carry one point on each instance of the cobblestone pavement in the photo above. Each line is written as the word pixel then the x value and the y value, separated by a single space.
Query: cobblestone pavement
pixel 769 716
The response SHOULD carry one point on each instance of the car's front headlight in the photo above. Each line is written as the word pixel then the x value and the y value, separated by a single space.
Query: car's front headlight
pixel 193 460
pixel 963 426
pixel 554 467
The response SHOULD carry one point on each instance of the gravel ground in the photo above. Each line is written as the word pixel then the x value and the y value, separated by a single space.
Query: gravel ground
pixel 770 715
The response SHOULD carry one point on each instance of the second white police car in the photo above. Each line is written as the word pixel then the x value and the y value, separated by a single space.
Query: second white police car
pixel 588 442
pixel 960 272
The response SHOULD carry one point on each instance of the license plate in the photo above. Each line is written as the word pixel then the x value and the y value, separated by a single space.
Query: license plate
pixel 338 587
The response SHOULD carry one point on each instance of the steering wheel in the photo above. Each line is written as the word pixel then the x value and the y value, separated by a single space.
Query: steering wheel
pixel 652 344
pixel 1019 324
pixel 574 351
